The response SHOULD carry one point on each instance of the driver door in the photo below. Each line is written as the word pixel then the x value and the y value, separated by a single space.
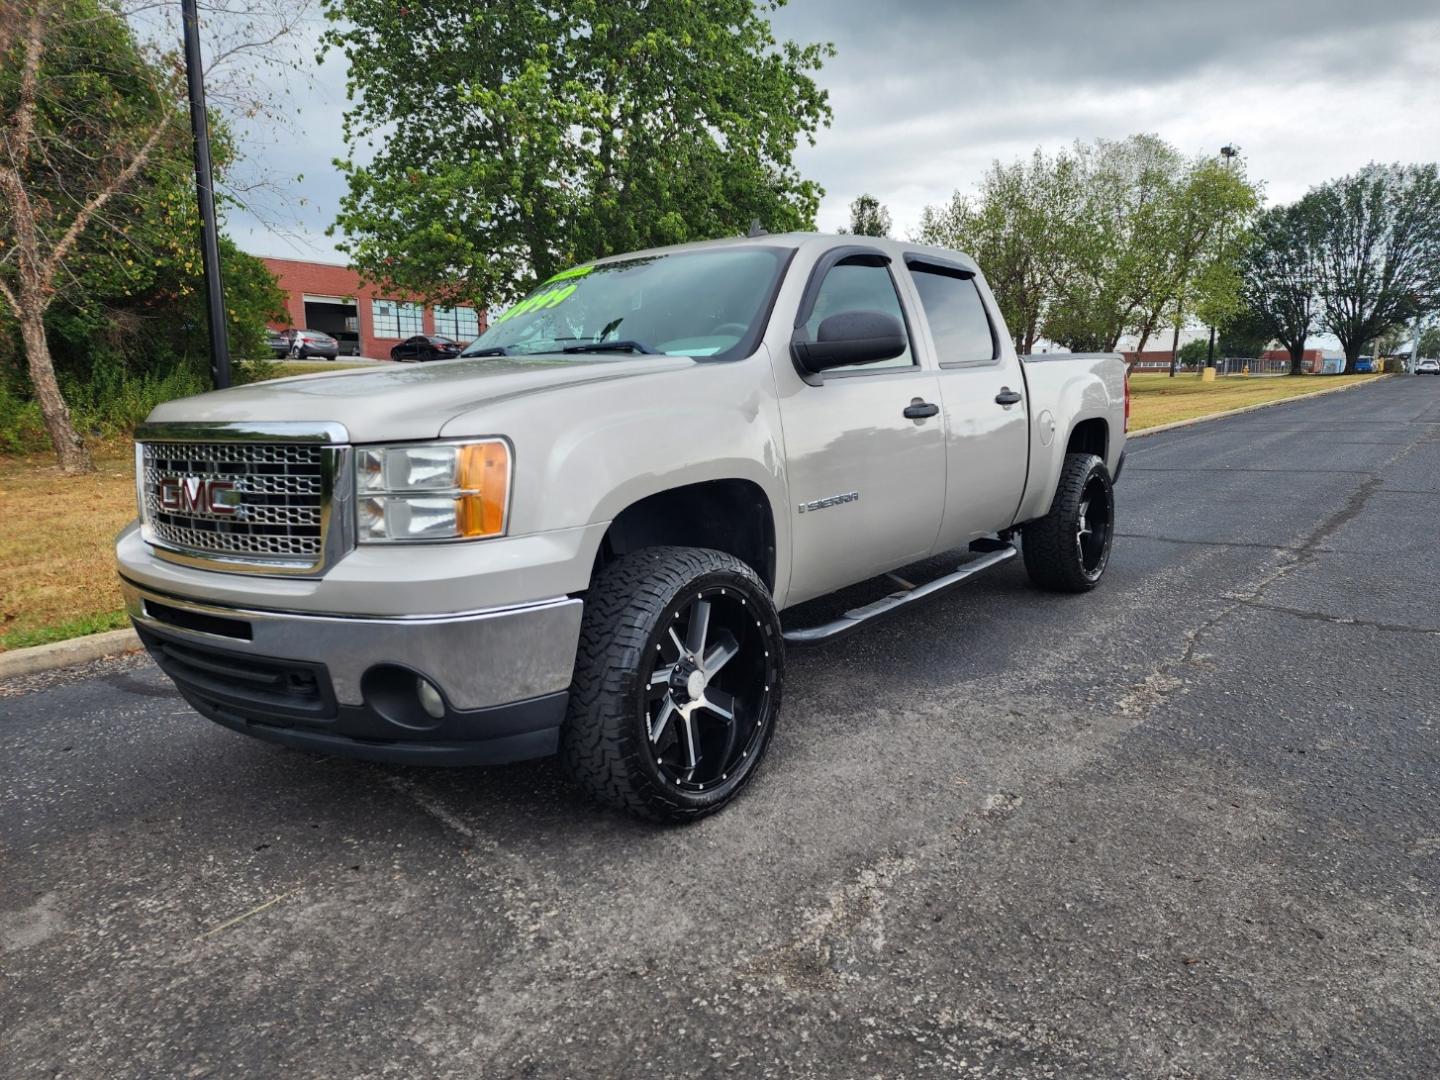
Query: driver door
pixel 867 482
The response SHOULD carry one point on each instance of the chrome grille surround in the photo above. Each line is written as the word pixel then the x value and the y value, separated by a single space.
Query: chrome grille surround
pixel 285 482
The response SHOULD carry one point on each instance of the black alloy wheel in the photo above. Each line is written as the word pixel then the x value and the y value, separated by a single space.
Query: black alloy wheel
pixel 677 685
pixel 1068 549
pixel 1092 530
pixel 706 690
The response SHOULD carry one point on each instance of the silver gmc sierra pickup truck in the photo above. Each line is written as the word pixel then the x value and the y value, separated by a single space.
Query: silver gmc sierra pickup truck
pixel 578 537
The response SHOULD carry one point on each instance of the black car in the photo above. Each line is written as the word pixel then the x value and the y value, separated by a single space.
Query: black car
pixel 278 344
pixel 426 347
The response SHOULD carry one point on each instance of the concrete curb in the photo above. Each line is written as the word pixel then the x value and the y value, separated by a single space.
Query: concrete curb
pixel 1158 428
pixel 59 654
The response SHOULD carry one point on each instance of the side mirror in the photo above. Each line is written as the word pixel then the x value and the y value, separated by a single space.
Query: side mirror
pixel 852 337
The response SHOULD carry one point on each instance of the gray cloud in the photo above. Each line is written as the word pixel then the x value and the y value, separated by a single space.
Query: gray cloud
pixel 927 93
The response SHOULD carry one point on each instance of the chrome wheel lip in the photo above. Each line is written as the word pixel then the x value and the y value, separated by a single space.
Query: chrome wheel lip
pixel 680 729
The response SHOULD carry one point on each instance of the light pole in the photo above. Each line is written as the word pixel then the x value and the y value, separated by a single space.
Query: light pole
pixel 1229 152
pixel 205 190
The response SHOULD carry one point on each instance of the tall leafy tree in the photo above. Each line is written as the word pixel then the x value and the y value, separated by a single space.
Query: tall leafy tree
pixel 1377 252
pixel 96 187
pixel 1022 228
pixel 75 136
pixel 1119 278
pixel 1279 274
pixel 868 217
pixel 517 137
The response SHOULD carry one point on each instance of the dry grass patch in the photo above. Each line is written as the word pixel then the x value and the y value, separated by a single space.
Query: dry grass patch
pixel 57 567
pixel 1159 399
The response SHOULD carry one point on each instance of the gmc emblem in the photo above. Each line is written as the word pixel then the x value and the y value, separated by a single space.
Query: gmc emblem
pixel 194 494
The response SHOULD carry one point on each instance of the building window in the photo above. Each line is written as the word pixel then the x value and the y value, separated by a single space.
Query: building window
pixel 460 323
pixel 393 319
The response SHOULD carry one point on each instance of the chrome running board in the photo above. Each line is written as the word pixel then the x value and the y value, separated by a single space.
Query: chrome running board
pixel 861 615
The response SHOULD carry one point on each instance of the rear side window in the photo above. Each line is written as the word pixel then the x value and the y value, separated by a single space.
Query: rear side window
pixel 956 315
pixel 858 287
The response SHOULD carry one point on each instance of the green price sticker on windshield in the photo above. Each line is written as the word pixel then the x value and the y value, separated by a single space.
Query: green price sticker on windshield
pixel 553 293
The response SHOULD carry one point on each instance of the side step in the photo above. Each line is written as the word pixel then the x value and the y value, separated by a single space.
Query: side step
pixel 810 635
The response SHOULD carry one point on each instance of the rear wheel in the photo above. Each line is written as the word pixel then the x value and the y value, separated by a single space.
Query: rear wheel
pixel 677 683
pixel 1068 549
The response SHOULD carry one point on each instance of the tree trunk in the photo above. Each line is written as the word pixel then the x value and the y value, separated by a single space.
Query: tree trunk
pixel 1352 356
pixel 70 449
pixel 1297 358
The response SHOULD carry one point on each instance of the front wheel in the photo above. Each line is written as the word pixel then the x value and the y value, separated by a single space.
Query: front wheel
pixel 677 683
pixel 1068 549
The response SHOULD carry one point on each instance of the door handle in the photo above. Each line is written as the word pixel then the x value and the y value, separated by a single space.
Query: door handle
pixel 919 410
pixel 1006 396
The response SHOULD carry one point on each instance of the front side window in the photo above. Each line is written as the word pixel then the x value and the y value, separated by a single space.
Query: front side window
pixel 459 323
pixel 690 303
pixel 956 314
pixel 859 286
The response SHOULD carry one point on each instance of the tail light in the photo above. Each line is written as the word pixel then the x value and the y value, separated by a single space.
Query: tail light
pixel 1127 399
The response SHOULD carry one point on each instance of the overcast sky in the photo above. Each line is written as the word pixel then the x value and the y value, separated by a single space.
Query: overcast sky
pixel 927 93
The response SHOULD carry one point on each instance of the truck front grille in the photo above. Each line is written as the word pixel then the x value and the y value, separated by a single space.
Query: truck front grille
pixel 265 502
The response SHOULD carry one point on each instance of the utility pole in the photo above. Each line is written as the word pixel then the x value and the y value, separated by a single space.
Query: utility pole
pixel 205 190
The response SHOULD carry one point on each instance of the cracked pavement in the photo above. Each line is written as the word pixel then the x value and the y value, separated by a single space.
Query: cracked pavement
pixel 1183 826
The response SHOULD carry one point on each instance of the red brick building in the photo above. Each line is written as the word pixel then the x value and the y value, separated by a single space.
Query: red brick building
pixel 368 320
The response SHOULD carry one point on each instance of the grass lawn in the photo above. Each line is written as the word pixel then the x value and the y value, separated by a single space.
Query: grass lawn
pixel 57 568
pixel 1159 399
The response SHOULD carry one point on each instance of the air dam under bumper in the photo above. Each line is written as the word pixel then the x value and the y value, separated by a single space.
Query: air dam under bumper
pixel 347 685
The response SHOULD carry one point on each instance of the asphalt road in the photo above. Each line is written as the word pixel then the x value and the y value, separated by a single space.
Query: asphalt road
pixel 1185 826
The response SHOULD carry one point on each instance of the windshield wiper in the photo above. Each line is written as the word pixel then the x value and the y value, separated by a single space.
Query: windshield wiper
pixel 620 345
pixel 493 350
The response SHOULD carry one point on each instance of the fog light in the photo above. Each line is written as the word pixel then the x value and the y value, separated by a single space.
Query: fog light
pixel 430 699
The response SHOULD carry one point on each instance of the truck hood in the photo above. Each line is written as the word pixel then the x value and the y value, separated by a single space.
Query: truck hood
pixel 408 401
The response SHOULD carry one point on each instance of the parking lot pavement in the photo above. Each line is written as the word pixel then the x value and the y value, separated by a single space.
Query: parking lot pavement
pixel 1185 826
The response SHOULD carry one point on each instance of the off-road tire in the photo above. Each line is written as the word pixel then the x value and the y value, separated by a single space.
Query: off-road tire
pixel 604 744
pixel 1051 544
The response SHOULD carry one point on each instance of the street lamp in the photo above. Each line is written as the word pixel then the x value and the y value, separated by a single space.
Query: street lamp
pixel 205 190
pixel 1229 152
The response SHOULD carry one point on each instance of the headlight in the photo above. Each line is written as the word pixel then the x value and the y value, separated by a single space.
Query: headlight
pixel 432 491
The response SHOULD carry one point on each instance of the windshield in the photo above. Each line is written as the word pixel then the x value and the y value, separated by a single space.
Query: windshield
pixel 698 303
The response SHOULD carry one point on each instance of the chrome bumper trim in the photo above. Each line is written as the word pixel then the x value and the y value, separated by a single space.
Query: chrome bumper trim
pixel 479 659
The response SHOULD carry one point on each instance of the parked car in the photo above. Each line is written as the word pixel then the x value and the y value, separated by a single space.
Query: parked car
pixel 426 347
pixel 307 343
pixel 278 343
pixel 1365 365
pixel 1427 367
pixel 585 546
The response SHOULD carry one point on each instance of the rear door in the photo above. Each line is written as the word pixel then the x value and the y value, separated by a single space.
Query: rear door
pixel 867 483
pixel 987 426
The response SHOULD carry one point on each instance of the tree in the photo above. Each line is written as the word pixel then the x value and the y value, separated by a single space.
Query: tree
pixel 1278 272
pixel 525 136
pixel 1429 342
pixel 1020 229
pixel 93 142
pixel 69 147
pixel 868 217
pixel 1118 276
pixel 1245 334
pixel 1192 354
pixel 1204 236
pixel 1377 252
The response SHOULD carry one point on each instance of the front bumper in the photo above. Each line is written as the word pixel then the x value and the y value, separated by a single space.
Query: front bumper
pixel 346 685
